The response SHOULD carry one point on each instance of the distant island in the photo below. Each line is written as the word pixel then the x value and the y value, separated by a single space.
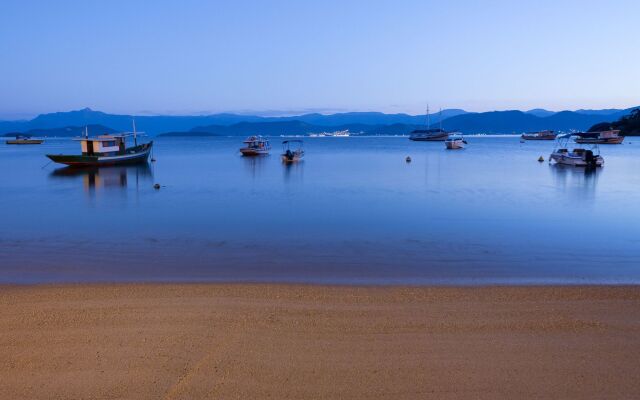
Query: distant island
pixel 366 123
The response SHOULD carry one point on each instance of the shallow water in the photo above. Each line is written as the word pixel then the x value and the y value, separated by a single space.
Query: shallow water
pixel 352 212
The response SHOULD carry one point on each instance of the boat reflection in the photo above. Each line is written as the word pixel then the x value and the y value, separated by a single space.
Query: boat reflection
pixel 579 182
pixel 255 165
pixel 115 177
pixel 293 172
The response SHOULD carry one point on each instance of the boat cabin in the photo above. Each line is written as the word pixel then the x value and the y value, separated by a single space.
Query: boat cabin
pixel 103 145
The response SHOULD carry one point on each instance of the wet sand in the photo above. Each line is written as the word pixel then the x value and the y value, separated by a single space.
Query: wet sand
pixel 291 342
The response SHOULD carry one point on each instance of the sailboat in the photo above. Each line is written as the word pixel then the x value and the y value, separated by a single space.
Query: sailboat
pixel 429 135
pixel 106 150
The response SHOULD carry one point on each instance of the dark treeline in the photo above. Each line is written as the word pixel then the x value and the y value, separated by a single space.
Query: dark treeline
pixel 628 125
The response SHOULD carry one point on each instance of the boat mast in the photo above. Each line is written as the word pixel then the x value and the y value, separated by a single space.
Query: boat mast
pixel 428 118
pixel 135 137
pixel 440 118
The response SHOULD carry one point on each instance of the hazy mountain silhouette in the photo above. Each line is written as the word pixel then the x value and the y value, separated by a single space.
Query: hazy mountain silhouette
pixel 512 121
pixel 67 131
pixel 540 112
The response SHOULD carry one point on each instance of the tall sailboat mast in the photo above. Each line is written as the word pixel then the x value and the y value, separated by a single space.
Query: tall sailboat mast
pixel 135 136
pixel 428 118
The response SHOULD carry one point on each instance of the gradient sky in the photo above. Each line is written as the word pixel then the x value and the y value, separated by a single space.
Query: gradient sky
pixel 185 57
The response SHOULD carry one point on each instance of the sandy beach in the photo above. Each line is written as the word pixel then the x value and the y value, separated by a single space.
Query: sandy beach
pixel 191 341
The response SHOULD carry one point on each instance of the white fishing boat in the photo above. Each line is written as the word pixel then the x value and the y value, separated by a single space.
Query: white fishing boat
pixel 455 143
pixel 292 151
pixel 578 156
pixel 255 146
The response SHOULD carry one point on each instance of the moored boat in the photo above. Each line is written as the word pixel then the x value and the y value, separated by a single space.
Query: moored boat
pixel 292 151
pixel 21 139
pixel 455 143
pixel 255 146
pixel 577 157
pixel 604 137
pixel 429 134
pixel 105 150
pixel 542 135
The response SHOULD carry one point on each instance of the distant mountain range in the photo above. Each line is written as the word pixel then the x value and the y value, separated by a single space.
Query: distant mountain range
pixel 495 122
pixel 67 131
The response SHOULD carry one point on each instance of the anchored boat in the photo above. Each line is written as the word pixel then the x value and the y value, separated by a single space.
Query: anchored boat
pixel 292 151
pixel 604 137
pixel 577 157
pixel 429 135
pixel 455 143
pixel 23 139
pixel 255 146
pixel 542 135
pixel 106 150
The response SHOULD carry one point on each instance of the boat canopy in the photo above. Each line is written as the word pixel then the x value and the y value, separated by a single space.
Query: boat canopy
pixel 566 136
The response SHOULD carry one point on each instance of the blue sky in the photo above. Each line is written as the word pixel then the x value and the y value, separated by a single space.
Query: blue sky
pixel 186 57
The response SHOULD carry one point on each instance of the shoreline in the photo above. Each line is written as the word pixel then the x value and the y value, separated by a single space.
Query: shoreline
pixel 239 340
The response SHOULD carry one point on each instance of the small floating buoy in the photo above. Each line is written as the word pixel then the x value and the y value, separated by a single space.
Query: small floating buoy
pixel 541 159
pixel 156 186
pixel 408 159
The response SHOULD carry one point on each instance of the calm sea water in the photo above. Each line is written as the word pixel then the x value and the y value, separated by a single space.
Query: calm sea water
pixel 352 212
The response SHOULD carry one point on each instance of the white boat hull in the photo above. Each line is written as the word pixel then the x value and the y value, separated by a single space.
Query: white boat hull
pixel 565 159
pixel 454 144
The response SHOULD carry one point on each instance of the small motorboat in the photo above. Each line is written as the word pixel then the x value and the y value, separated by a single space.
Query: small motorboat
pixel 455 143
pixel 106 150
pixel 542 135
pixel 604 137
pixel 23 139
pixel 577 157
pixel 255 146
pixel 292 151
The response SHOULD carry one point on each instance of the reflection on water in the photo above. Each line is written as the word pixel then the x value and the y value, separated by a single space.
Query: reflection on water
pixel 353 211
pixel 579 183
pixel 253 164
pixel 293 172
pixel 109 177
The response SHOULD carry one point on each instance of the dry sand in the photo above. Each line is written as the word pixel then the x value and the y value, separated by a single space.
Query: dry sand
pixel 305 342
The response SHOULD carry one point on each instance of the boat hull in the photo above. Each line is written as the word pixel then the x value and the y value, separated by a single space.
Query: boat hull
pixel 575 161
pixel 135 155
pixel 26 141
pixel 538 137
pixel 291 158
pixel 454 145
pixel 438 138
pixel 614 140
pixel 253 152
